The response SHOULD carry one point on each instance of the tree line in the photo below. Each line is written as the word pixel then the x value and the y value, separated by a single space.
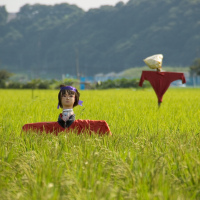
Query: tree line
pixel 6 83
pixel 53 40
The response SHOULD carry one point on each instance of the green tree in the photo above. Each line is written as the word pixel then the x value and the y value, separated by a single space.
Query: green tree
pixel 4 75
pixel 195 67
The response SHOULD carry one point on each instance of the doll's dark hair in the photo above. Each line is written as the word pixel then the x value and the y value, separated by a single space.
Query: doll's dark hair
pixel 63 92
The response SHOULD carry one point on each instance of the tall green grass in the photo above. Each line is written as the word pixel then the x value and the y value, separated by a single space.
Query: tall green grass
pixel 153 153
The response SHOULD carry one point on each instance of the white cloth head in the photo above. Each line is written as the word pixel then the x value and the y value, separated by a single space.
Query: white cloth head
pixel 155 61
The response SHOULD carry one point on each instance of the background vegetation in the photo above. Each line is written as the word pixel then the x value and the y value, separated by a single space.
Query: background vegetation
pixel 153 153
pixel 127 79
pixel 137 71
pixel 51 40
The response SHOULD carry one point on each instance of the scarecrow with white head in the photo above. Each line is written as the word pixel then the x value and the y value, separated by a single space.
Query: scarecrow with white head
pixel 159 80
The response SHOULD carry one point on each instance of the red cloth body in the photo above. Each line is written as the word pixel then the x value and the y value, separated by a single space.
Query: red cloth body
pixel 160 81
pixel 78 126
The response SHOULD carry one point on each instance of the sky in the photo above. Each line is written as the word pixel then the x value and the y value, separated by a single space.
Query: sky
pixel 13 6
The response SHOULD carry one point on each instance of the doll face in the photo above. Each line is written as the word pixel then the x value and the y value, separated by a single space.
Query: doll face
pixel 68 99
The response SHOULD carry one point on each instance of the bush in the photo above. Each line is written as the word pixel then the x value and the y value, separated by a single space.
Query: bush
pixel 29 85
pixel 72 82
pixel 44 85
pixel 119 83
pixel 2 84
pixel 14 85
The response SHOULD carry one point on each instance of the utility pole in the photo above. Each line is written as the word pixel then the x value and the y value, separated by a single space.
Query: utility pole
pixel 77 63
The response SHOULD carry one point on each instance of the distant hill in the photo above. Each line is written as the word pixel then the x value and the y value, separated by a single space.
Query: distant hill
pixel 64 39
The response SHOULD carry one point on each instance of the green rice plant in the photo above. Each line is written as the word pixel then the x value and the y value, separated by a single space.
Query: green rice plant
pixel 152 153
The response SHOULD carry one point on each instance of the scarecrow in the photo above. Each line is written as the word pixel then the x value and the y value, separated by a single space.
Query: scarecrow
pixel 68 98
pixel 159 80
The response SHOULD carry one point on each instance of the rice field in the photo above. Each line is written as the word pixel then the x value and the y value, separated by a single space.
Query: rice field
pixel 152 154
